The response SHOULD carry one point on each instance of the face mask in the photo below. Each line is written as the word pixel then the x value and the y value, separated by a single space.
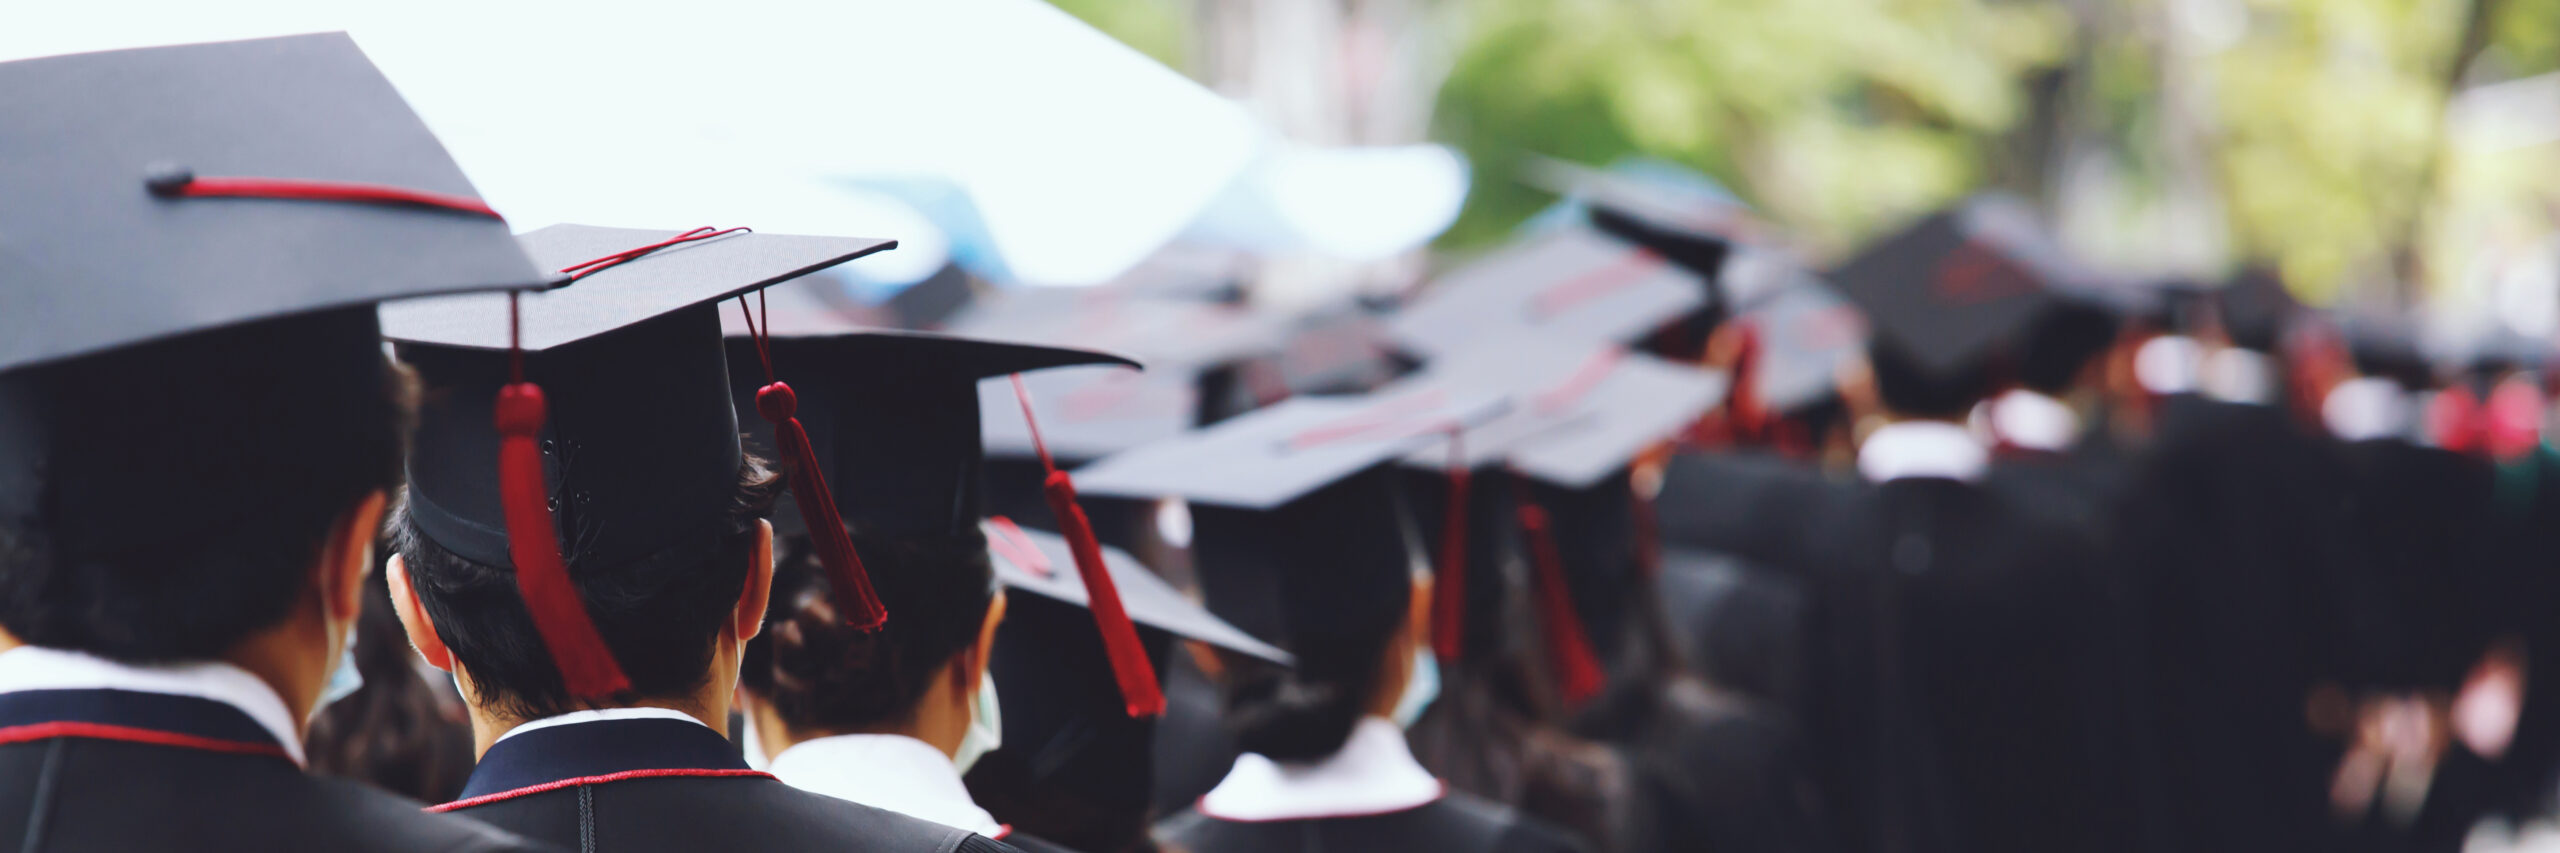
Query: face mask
pixel 344 680
pixel 986 725
pixel 1420 690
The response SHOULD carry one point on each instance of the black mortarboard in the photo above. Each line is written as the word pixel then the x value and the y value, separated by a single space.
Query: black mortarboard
pixel 2255 309
pixel 1950 289
pixel 1579 411
pixel 1570 282
pixel 269 298
pixel 893 416
pixel 94 258
pixel 1700 252
pixel 1295 507
pixel 639 448
pixel 1193 351
pixel 1039 562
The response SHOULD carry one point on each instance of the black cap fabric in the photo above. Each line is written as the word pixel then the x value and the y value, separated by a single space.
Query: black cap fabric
pixel 93 260
pixel 1267 458
pixel 1953 287
pixel 1577 413
pixel 1333 556
pixel 2255 309
pixel 1570 282
pixel 892 415
pixel 1699 251
pixel 1038 562
pixel 641 447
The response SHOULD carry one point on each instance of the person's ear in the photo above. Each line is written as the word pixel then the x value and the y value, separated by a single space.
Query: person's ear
pixel 974 665
pixel 748 619
pixel 413 616
pixel 347 556
pixel 1417 616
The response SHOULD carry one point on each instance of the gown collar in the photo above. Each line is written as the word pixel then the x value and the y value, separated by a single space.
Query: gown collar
pixel 598 747
pixel 894 772
pixel 1374 773
pixel 1908 449
pixel 199 704
pixel 2033 421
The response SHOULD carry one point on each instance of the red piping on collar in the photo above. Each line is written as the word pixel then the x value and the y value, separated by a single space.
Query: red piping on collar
pixel 130 734
pixel 1202 806
pixel 546 787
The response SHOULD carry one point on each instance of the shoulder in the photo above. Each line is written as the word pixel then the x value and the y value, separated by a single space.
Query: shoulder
pixel 877 828
pixel 1505 828
pixel 392 822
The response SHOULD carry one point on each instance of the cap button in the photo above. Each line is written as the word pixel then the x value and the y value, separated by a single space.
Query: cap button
pixel 776 402
pixel 167 180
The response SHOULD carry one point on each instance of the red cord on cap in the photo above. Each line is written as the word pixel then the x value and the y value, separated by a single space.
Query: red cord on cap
pixel 1594 283
pixel 587 268
pixel 1449 586
pixel 586 664
pixel 1577 667
pixel 849 585
pixel 177 182
pixel 1129 664
pixel 1016 547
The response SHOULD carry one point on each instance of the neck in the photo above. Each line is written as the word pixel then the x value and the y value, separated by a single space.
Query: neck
pixel 709 706
pixel 283 657
pixel 942 729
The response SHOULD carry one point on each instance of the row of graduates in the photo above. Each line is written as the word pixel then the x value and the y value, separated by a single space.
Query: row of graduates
pixel 202 437
pixel 2071 562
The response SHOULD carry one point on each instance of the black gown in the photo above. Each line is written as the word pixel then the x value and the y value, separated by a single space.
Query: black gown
pixel 1962 697
pixel 2252 591
pixel 657 784
pixel 1455 823
pixel 122 770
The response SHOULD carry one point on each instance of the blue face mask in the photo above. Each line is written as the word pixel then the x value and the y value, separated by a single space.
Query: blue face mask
pixel 1420 690
pixel 344 680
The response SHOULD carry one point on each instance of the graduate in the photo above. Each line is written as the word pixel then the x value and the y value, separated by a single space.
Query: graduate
pixel 199 434
pixel 1302 540
pixel 591 567
pixel 1963 697
pixel 894 718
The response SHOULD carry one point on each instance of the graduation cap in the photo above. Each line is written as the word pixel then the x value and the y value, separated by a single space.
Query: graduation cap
pixel 1805 331
pixel 2255 309
pixel 162 191
pixel 247 202
pixel 1043 564
pixel 1572 282
pixel 615 438
pixel 1951 288
pixel 904 442
pixel 1295 509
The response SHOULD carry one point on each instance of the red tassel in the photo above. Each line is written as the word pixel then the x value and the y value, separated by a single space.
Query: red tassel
pixel 586 665
pixel 1129 664
pixel 1568 646
pixel 1648 530
pixel 849 584
pixel 1449 587
pixel 1750 418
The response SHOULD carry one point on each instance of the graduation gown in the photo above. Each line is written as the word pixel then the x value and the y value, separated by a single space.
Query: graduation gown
pixel 2251 589
pixel 125 768
pixel 1370 796
pixel 662 784
pixel 1960 695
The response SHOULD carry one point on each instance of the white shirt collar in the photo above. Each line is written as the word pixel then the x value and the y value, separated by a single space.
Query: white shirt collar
pixel 1373 773
pixel 2367 408
pixel 2034 421
pixel 2168 364
pixel 1922 449
pixel 894 772
pixel 599 715
pixel 2235 375
pixel 37 668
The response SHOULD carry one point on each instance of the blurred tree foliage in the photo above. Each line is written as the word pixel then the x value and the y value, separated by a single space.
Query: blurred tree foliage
pixel 1835 117
pixel 2310 133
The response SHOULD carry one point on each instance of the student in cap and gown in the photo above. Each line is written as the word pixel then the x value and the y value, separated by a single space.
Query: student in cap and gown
pixel 1688 764
pixel 199 434
pixel 2235 538
pixel 598 660
pixel 1963 697
pixel 1299 534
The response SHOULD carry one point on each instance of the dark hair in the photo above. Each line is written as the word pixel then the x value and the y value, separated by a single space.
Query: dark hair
pixel 1908 389
pixel 660 614
pixel 235 451
pixel 820 674
pixel 2060 343
pixel 1307 712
